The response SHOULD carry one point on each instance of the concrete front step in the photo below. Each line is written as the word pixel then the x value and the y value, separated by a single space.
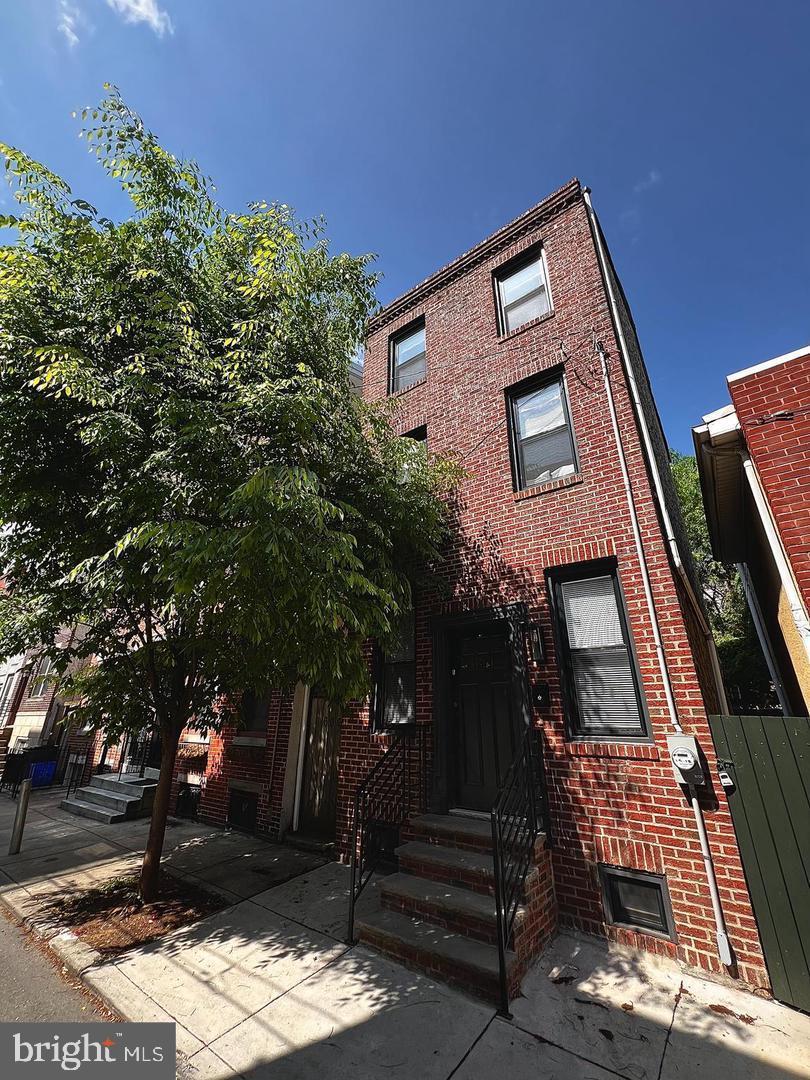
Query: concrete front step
pixel 127 805
pixel 110 798
pixel 456 959
pixel 451 830
pixel 454 908
pixel 91 810
pixel 126 785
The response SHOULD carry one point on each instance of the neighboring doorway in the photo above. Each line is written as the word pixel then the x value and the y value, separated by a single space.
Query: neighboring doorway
pixel 484 713
pixel 317 810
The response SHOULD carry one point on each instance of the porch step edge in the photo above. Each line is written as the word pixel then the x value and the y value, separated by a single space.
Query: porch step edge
pixel 91 810
pixel 444 954
pixel 453 831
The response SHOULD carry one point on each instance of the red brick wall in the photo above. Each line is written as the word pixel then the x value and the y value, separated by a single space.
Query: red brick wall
pixel 617 804
pixel 610 803
pixel 263 765
pixel 780 449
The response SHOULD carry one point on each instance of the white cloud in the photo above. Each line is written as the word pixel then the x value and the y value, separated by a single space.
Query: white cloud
pixel 70 19
pixel 145 11
pixel 652 178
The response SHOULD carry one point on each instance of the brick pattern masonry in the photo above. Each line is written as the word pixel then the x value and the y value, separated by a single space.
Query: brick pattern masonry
pixel 610 803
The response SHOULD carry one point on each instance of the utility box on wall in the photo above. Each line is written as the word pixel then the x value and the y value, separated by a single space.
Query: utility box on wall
pixel 687 760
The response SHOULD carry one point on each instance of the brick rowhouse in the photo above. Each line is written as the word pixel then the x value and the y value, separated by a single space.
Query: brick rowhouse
pixel 614 802
pixel 754 462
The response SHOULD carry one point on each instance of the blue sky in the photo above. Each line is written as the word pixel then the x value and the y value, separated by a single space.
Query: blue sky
pixel 418 127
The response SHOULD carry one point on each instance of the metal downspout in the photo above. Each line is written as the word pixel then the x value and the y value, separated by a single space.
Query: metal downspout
pixel 645 435
pixel 721 934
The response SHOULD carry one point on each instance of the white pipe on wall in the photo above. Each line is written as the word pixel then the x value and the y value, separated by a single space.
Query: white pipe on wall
pixel 723 944
pixel 656 478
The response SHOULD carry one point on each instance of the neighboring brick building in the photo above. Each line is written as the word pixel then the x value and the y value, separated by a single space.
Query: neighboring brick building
pixel 754 462
pixel 564 601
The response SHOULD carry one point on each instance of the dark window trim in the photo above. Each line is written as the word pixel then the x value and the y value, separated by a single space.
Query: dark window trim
pixel 418 434
pixel 555 576
pixel 393 339
pixel 378 665
pixel 608 872
pixel 511 266
pixel 260 698
pixel 518 390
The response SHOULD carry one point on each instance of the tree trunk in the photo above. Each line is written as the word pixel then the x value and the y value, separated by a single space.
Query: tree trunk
pixel 150 871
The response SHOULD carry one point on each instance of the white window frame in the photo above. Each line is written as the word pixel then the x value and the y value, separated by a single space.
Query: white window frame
pixel 513 266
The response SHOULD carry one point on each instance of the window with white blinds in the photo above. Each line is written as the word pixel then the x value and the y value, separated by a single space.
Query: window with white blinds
pixel 603 683
pixel 542 439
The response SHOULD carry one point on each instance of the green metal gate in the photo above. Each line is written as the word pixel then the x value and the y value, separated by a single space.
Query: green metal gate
pixel 768 758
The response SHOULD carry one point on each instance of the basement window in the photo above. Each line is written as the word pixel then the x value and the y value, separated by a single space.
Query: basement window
pixel 408 356
pixel 636 900
pixel 523 295
pixel 243 810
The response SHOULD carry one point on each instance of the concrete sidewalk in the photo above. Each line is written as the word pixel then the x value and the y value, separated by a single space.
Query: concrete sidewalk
pixel 268 988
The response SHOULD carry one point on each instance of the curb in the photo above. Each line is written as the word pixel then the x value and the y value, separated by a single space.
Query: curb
pixel 73 953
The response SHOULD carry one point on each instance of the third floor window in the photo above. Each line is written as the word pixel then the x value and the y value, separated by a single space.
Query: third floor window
pixel 408 357
pixel 522 293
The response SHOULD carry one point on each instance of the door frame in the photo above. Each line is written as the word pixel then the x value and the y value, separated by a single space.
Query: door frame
pixel 299 765
pixel 511 617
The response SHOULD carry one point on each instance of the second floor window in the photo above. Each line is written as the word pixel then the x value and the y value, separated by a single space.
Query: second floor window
pixel 542 440
pixel 408 357
pixel 522 294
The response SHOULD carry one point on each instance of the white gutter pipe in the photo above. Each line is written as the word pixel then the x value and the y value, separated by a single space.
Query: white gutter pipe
pixel 645 574
pixel 656 477
pixel 721 935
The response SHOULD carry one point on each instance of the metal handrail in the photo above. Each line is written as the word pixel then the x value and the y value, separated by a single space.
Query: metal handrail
pixel 76 771
pixel 518 817
pixel 385 799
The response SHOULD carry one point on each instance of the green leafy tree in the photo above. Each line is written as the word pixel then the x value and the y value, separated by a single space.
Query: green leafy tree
pixel 743 665
pixel 185 472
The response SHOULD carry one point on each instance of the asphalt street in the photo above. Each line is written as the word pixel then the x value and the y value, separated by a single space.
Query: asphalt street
pixel 31 988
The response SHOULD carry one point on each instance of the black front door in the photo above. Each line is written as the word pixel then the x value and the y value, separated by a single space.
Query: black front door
pixel 484 720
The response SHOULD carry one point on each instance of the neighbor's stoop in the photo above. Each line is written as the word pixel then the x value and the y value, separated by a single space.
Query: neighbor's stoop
pixel 110 798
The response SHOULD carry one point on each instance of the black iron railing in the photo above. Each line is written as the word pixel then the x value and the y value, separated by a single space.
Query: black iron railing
pixel 518 817
pixel 393 790
pixel 78 771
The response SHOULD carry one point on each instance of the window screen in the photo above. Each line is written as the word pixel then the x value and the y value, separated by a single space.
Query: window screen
pixel 603 684
pixel 523 294
pixel 407 358
pixel 542 439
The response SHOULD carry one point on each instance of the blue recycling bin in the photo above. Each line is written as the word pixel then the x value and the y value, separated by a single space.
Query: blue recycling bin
pixel 42 773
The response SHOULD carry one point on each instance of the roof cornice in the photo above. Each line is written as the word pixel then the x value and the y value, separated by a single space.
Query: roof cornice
pixel 549 207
